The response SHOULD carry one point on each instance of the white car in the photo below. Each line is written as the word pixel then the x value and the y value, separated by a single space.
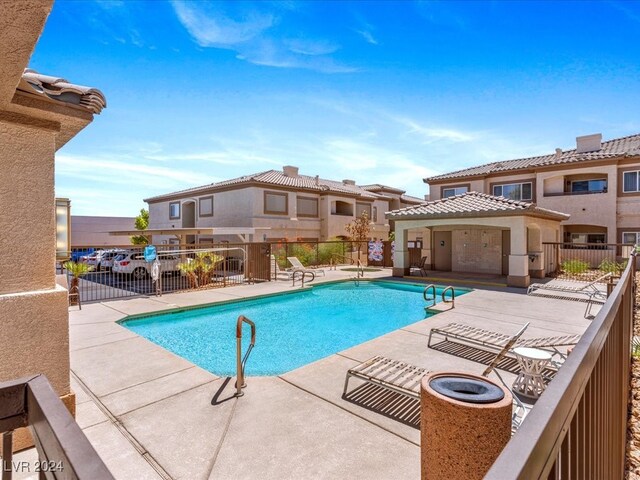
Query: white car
pixel 107 258
pixel 134 264
pixel 93 259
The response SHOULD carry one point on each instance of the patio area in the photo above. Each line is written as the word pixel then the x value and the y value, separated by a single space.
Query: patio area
pixel 151 414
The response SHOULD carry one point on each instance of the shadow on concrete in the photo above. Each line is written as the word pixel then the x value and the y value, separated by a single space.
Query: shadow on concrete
pixel 216 398
pixel 393 405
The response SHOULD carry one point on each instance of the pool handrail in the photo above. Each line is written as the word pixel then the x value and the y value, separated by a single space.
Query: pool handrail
pixel 431 286
pixel 240 361
pixel 304 273
pixel 453 296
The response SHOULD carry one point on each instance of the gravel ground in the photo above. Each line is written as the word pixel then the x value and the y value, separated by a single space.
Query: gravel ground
pixel 633 429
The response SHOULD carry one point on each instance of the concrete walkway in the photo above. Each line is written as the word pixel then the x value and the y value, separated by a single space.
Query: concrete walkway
pixel 151 414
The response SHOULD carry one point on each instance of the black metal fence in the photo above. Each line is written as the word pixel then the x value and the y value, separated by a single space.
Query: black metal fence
pixel 122 271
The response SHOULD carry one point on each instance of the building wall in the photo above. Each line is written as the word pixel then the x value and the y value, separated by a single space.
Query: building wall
pixel 244 207
pixel 476 250
pixel 92 231
pixel 609 210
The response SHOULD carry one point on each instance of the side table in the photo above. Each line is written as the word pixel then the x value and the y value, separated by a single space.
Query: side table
pixel 532 362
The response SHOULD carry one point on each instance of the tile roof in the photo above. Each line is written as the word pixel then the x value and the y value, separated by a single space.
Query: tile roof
pixel 377 187
pixel 411 199
pixel 278 178
pixel 61 90
pixel 473 204
pixel 625 146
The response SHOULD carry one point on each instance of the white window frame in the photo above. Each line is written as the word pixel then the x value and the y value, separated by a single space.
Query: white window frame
pixel 637 172
pixel 587 236
pixel 171 205
pixel 637 235
pixel 521 184
pixel 455 190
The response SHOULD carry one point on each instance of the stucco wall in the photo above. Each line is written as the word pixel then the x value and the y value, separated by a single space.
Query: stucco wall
pixel 475 250
pixel 35 336
pixel 245 208
pixel 90 231
pixel 27 223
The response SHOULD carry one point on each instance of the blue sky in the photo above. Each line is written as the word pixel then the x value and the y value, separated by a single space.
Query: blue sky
pixel 380 92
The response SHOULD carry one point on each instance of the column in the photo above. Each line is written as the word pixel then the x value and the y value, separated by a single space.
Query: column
pixel 401 253
pixel 518 258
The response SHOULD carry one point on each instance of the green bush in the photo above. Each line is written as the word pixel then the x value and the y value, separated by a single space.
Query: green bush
pixel 335 250
pixel 610 266
pixel 306 253
pixel 575 266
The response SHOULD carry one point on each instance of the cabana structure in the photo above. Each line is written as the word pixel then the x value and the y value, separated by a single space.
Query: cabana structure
pixel 479 233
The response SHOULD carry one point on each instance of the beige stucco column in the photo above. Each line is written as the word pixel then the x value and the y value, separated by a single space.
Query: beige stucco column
pixel 401 253
pixel 535 250
pixel 34 320
pixel 518 258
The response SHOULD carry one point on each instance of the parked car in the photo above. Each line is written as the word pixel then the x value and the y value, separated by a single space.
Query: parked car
pixel 93 259
pixel 77 255
pixel 134 264
pixel 107 258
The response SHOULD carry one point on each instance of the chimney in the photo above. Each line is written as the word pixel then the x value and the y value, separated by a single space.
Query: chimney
pixel 589 143
pixel 348 182
pixel 317 179
pixel 558 152
pixel 290 171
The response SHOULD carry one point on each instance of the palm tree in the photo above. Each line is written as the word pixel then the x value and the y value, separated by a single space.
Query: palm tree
pixel 76 270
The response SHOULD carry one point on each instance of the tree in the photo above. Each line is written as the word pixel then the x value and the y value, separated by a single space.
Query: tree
pixel 142 223
pixel 358 230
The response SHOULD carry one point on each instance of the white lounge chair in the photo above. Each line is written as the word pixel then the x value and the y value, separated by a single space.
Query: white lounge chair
pixel 592 292
pixel 278 272
pixel 496 341
pixel 404 378
pixel 297 265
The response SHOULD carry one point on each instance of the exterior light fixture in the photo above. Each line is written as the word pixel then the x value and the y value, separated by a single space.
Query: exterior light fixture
pixel 63 229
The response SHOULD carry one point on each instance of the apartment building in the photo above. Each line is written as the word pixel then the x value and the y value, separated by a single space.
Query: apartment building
pixel 597 184
pixel 279 205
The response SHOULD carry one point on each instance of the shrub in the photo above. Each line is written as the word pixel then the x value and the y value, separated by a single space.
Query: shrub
pixel 610 266
pixel 306 253
pixel 199 270
pixel 335 250
pixel 575 266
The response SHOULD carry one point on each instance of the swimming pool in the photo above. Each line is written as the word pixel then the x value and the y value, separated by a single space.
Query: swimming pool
pixel 293 329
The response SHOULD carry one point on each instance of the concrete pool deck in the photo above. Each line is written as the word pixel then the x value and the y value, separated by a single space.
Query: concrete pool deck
pixel 151 414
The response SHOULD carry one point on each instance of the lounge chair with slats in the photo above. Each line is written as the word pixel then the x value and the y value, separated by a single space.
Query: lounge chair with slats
pixel 297 265
pixel 590 290
pixel 496 341
pixel 404 378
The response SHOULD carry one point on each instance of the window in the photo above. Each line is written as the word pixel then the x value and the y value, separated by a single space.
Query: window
pixel 276 202
pixel 631 237
pixel 450 192
pixel 307 206
pixel 374 214
pixel 631 182
pixel 514 191
pixel 588 238
pixel 342 208
pixel 363 208
pixel 206 206
pixel 174 210
pixel 579 186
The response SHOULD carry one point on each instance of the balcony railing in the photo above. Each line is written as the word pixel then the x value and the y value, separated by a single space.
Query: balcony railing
pixel 63 450
pixel 577 429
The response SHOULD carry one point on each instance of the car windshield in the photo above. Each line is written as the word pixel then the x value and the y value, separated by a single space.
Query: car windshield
pixel 119 256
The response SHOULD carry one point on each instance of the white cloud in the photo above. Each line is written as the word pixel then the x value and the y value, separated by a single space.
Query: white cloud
pixel 252 34
pixel 431 134
pixel 368 36
pixel 218 30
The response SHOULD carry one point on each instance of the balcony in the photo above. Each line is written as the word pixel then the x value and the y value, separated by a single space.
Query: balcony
pixel 561 194
pixel 576 185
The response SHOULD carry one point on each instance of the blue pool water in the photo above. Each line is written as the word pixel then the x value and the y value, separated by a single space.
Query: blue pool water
pixel 291 329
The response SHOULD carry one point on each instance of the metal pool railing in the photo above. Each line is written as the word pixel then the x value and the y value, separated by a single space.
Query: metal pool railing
pixel 577 429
